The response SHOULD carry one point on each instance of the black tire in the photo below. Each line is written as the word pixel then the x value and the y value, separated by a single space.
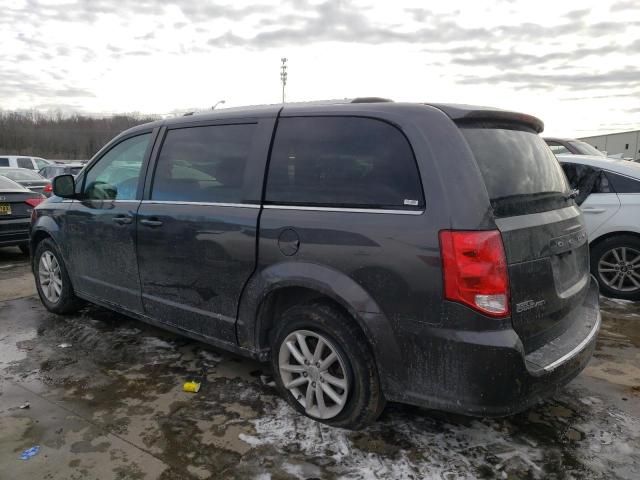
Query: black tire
pixel 24 248
pixel 67 302
pixel 600 251
pixel 365 401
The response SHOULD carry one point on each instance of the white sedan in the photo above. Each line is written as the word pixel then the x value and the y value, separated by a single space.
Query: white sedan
pixel 609 196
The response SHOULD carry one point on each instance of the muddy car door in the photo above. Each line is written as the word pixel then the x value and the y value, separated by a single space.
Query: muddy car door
pixel 100 225
pixel 197 224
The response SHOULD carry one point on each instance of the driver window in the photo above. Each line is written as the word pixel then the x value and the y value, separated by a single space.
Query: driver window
pixel 115 176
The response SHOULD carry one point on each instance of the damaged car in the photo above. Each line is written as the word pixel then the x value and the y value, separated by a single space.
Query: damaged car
pixel 371 251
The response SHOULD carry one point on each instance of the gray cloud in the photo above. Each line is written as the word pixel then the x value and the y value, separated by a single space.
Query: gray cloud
pixel 441 36
pixel 615 79
pixel 624 5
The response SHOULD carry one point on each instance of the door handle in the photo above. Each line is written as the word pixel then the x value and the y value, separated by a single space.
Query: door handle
pixel 151 223
pixel 122 220
pixel 594 210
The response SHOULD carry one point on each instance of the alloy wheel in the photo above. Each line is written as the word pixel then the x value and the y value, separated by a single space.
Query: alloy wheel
pixel 312 369
pixel 619 269
pixel 50 277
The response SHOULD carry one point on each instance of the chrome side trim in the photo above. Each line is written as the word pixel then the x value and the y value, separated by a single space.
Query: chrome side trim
pixel 347 210
pixel 210 204
pixel 552 366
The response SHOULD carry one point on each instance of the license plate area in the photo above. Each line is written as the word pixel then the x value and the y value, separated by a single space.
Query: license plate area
pixel 5 209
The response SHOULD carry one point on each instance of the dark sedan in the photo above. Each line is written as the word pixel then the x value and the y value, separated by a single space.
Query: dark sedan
pixel 28 179
pixel 16 204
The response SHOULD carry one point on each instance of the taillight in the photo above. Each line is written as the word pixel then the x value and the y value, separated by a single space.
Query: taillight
pixel 47 188
pixel 34 202
pixel 475 270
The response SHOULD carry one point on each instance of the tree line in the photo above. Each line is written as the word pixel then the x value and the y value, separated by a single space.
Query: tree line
pixel 59 136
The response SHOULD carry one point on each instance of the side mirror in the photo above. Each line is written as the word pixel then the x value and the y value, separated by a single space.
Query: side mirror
pixel 64 186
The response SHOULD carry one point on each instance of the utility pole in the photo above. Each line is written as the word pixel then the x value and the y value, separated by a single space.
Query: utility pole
pixel 283 75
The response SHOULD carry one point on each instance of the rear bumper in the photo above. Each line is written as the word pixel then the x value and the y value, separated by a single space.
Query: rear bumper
pixel 487 373
pixel 14 231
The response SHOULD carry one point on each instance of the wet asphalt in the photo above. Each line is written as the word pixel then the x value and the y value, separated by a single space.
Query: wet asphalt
pixel 105 400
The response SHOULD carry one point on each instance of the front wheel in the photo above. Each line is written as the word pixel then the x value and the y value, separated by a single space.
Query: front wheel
pixel 52 280
pixel 324 367
pixel 615 262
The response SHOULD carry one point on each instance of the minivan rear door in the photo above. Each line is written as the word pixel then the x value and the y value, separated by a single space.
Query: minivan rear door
pixel 542 228
pixel 197 224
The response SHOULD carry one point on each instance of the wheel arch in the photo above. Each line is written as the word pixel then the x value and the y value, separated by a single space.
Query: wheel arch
pixel 281 286
pixel 615 233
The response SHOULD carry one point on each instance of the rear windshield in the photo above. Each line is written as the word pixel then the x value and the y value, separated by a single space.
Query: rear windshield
pixel 6 184
pixel 585 149
pixel 520 172
pixel 21 174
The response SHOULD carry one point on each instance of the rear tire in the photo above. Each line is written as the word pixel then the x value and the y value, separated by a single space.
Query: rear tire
pixel 615 262
pixel 52 280
pixel 344 392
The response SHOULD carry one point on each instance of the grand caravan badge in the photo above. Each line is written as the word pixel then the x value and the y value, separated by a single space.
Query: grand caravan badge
pixel 529 305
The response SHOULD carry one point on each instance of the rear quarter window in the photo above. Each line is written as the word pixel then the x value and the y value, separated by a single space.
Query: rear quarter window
pixel 623 184
pixel 342 162
pixel 520 172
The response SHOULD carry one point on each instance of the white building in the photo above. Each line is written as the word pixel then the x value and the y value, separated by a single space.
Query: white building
pixel 626 143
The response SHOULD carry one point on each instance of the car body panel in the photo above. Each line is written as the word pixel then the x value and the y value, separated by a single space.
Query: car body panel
pixel 609 213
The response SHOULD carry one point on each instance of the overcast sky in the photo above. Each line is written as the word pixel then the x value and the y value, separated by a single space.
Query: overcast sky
pixel 575 64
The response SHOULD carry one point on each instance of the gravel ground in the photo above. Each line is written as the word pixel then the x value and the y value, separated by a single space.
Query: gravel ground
pixel 111 405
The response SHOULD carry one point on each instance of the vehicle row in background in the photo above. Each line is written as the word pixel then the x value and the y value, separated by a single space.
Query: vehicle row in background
pixel 52 171
pixel 23 161
pixel 609 196
pixel 572 146
pixel 16 204
pixel 28 179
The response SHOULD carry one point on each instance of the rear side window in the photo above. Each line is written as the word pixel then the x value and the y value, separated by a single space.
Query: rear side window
pixel 586 180
pixel 203 164
pixel 25 163
pixel 4 162
pixel 622 184
pixel 520 172
pixel 342 162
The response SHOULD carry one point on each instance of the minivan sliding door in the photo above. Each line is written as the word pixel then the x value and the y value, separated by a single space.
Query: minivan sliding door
pixel 197 226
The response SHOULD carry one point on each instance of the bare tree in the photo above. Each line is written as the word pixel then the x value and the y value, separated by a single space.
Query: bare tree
pixel 59 136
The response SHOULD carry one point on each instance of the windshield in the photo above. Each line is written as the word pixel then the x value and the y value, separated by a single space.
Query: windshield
pixel 585 149
pixel 21 174
pixel 520 172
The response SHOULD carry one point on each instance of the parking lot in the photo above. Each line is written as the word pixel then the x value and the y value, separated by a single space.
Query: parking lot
pixel 105 400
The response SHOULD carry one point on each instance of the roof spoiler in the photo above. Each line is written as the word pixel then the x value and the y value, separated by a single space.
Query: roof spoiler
pixel 468 113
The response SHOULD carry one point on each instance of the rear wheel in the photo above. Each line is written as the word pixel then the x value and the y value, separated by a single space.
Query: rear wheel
pixel 52 280
pixel 324 368
pixel 615 262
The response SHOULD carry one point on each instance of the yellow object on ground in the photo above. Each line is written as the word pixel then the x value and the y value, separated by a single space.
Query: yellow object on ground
pixel 192 387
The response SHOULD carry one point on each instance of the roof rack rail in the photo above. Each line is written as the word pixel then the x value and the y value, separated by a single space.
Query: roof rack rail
pixel 370 100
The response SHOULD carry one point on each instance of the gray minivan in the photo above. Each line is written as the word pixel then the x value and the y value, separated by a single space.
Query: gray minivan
pixel 372 251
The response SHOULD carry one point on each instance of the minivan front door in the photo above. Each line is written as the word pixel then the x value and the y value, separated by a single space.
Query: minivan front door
pixel 196 229
pixel 100 226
